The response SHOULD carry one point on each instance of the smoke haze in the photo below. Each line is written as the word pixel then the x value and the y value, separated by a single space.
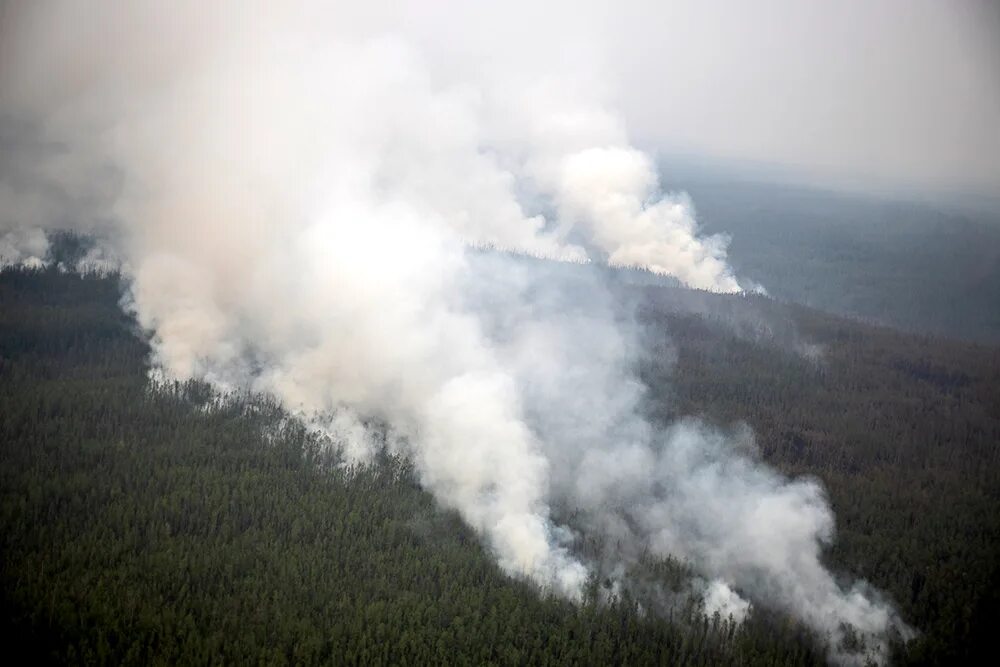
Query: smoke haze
pixel 295 193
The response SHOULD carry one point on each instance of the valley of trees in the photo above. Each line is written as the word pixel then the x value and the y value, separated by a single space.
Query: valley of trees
pixel 144 525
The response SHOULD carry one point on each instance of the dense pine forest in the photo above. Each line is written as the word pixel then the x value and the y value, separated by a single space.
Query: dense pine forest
pixel 157 525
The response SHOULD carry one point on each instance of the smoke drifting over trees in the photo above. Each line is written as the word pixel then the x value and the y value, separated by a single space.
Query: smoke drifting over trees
pixel 293 194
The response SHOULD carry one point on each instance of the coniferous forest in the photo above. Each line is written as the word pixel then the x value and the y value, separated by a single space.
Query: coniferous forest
pixel 146 524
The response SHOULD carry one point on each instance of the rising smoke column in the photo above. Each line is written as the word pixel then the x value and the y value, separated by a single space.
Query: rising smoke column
pixel 295 212
pixel 689 491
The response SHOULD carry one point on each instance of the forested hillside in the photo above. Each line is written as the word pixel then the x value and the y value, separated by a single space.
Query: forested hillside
pixel 156 525
pixel 923 267
pixel 904 432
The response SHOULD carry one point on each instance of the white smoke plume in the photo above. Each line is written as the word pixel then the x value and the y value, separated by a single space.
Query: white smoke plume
pixel 24 247
pixel 298 191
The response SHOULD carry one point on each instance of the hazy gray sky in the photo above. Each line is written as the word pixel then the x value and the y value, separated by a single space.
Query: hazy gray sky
pixel 898 91
pixel 883 92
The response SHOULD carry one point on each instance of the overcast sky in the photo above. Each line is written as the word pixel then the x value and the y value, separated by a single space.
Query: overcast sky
pixel 880 92
pixel 889 92
pixel 896 91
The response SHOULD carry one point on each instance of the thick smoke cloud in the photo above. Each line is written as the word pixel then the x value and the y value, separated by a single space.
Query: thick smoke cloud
pixel 296 203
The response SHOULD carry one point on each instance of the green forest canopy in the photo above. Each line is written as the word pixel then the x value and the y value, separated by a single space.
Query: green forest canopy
pixel 142 525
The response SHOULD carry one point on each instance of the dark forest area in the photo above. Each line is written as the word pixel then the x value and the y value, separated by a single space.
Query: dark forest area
pixel 927 267
pixel 157 525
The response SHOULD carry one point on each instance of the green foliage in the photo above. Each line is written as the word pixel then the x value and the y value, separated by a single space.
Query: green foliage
pixel 146 526
pixel 903 431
